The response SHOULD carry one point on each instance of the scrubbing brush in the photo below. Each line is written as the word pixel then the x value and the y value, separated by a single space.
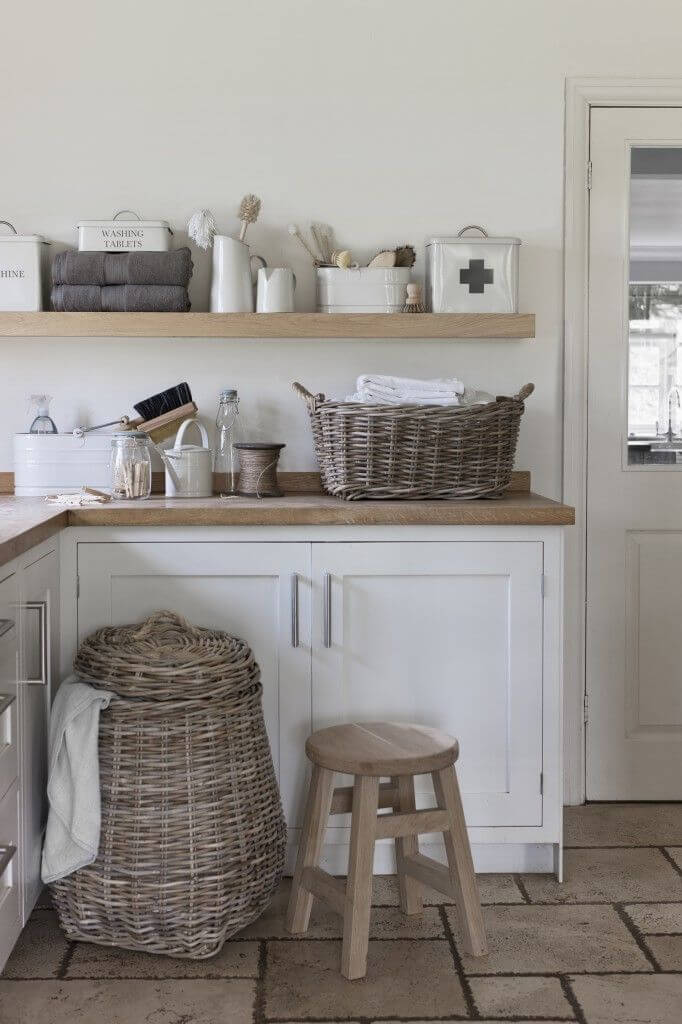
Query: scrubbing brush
pixel 161 415
pixel 165 401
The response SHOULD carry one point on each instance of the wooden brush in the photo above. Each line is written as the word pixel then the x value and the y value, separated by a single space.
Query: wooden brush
pixel 249 208
pixel 405 256
pixel 164 426
pixel 414 302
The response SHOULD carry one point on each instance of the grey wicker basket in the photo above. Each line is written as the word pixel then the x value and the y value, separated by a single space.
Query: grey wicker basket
pixel 193 838
pixel 415 451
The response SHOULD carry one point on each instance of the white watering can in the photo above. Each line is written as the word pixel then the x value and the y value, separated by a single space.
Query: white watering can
pixel 189 467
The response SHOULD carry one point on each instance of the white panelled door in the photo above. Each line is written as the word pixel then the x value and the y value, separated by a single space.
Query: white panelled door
pixel 245 589
pixel 446 634
pixel 634 489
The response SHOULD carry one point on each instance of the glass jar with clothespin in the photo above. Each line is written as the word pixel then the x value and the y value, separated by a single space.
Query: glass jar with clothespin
pixel 131 464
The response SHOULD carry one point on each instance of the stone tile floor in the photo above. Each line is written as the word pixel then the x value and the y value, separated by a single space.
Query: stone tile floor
pixel 604 947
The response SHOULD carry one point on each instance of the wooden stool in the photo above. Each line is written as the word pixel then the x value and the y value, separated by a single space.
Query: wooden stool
pixel 369 751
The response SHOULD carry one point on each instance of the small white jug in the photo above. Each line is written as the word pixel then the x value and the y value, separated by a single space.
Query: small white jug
pixel 275 290
pixel 189 467
pixel 232 281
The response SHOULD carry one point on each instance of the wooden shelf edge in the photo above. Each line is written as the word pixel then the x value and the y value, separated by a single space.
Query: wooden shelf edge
pixel 320 326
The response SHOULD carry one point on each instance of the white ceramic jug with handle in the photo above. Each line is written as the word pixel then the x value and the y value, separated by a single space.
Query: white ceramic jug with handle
pixel 232 281
pixel 189 467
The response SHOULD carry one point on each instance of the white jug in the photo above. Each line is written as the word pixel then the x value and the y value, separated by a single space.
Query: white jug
pixel 232 281
pixel 189 467
pixel 275 292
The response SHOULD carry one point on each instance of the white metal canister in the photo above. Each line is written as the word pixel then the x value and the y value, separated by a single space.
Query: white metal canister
pixel 21 264
pixel 362 289
pixel 119 235
pixel 47 463
pixel 472 274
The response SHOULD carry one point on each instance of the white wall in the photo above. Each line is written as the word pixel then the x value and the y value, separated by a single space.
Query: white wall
pixel 389 119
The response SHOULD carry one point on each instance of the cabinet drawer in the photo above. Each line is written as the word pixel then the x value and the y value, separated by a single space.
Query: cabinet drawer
pixel 8 742
pixel 10 915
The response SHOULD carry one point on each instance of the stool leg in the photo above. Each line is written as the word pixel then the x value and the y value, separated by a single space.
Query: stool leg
pixel 315 820
pixel 405 846
pixel 460 863
pixel 360 870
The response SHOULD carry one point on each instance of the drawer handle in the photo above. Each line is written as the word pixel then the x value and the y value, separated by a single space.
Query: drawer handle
pixel 6 855
pixel 294 609
pixel 41 608
pixel 6 625
pixel 6 701
pixel 327 611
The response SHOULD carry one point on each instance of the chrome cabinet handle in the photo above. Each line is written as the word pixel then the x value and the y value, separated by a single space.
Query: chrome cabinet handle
pixel 294 609
pixel 6 701
pixel 41 608
pixel 327 611
pixel 6 855
pixel 5 626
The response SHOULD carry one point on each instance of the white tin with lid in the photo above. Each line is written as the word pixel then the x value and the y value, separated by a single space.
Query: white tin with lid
pixel 124 234
pixel 21 264
pixel 362 289
pixel 472 273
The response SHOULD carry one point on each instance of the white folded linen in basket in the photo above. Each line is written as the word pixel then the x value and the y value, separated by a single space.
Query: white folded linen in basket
pixel 375 389
pixel 74 820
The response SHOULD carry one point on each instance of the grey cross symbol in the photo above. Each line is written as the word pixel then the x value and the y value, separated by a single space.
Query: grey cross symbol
pixel 477 276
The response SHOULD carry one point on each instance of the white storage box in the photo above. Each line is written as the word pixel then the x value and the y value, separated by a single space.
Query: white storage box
pixel 52 463
pixel 472 274
pixel 21 271
pixel 362 290
pixel 122 234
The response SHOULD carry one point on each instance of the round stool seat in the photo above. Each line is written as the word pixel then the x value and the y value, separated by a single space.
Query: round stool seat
pixel 381 748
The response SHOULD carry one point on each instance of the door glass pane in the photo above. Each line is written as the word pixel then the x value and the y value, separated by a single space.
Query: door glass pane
pixel 655 313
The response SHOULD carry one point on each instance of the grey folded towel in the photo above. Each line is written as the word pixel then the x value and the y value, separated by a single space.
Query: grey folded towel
pixel 105 268
pixel 120 298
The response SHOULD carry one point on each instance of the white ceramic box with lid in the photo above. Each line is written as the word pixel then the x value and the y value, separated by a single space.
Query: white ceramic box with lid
pixel 472 273
pixel 21 266
pixel 124 234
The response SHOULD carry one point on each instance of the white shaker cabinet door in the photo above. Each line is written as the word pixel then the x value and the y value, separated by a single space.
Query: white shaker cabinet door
pixel 39 633
pixel 258 591
pixel 10 890
pixel 447 634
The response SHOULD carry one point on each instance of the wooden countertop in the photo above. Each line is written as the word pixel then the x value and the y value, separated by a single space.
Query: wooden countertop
pixel 25 522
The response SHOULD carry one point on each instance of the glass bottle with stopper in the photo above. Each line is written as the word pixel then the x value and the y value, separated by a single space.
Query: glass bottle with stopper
pixel 226 464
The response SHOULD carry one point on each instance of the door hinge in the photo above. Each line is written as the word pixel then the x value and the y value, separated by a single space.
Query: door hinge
pixel 588 175
pixel 78 587
pixel 542 782
pixel 585 707
pixel 542 585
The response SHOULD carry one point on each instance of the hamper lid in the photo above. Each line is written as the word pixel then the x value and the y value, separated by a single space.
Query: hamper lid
pixel 166 658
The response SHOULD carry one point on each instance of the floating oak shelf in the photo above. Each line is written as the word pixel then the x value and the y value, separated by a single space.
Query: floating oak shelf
pixel 322 326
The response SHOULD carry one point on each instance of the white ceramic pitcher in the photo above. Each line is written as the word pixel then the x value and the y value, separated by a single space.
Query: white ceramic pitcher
pixel 232 280
pixel 189 467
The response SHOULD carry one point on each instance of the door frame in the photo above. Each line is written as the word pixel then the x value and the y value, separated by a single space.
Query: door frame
pixel 582 94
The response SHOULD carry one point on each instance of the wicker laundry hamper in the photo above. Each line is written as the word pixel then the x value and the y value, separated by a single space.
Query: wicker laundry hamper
pixel 415 451
pixel 193 837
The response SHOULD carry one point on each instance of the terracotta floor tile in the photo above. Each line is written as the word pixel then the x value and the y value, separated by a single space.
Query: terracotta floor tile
pixel 667 950
pixel 608 876
pixel 127 1002
pixel 511 997
pixel 302 980
pixel 676 854
pixel 235 960
pixel 623 825
pixel 656 917
pixel 492 889
pixel 40 949
pixel 545 940
pixel 623 999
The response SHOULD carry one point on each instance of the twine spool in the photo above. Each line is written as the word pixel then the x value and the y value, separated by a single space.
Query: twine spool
pixel 258 469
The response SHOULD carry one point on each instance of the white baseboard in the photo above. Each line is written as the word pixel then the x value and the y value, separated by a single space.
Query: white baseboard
pixel 530 858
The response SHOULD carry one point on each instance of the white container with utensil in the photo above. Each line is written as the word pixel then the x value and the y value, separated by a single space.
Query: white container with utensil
pixel 232 277
pixel 124 234
pixel 189 467
pixel 51 463
pixel 21 271
pixel 362 289
pixel 472 273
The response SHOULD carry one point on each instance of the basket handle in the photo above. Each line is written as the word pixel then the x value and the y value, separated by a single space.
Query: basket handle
pixel 525 392
pixel 307 396
pixel 164 618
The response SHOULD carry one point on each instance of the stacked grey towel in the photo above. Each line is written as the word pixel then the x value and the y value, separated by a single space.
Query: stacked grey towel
pixel 127 282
